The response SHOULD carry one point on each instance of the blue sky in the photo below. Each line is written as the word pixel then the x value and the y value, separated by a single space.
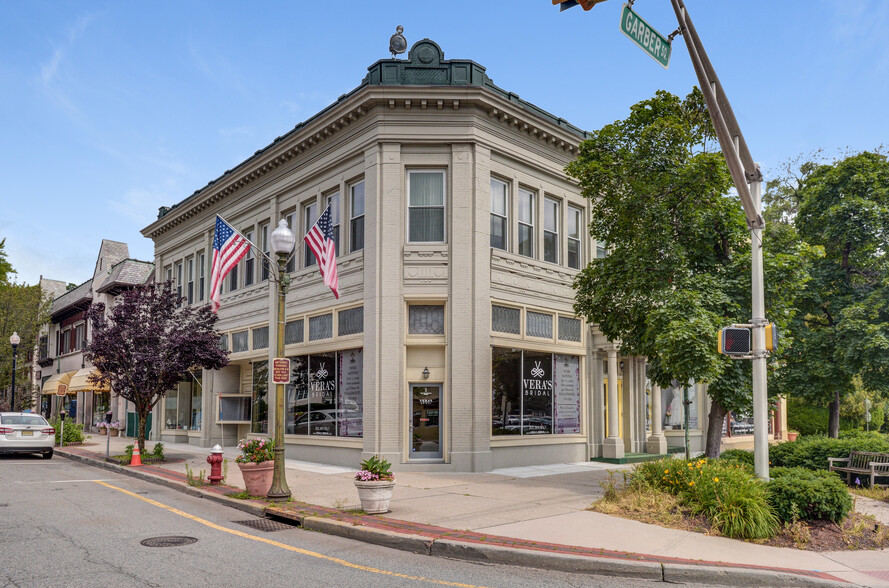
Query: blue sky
pixel 111 109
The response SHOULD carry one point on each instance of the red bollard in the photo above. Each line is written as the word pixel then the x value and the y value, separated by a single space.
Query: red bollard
pixel 215 461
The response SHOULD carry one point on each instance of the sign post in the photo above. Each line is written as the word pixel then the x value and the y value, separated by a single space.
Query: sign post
pixel 644 35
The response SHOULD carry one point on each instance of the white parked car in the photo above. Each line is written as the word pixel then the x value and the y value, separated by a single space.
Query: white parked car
pixel 26 432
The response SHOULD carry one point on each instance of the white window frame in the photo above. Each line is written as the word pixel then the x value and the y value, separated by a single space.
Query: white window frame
pixel 547 201
pixel 355 218
pixel 530 224
pixel 189 275
pixel 291 262
pixel 575 213
pixel 443 205
pixel 264 269
pixel 310 216
pixel 249 268
pixel 504 218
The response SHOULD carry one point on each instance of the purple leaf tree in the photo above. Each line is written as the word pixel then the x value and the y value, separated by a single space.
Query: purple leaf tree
pixel 148 342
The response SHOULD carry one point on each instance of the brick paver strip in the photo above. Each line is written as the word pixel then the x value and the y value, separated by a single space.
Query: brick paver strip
pixel 296 509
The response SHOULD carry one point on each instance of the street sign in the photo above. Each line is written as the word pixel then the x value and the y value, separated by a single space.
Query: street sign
pixel 648 39
pixel 281 370
pixel 62 390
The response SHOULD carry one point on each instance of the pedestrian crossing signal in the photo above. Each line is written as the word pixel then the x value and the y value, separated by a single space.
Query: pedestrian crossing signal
pixel 771 337
pixel 734 341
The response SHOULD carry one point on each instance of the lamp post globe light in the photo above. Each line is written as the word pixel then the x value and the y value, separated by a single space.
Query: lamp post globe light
pixel 282 244
pixel 14 340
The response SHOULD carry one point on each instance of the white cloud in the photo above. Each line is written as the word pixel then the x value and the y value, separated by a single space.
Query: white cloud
pixel 139 205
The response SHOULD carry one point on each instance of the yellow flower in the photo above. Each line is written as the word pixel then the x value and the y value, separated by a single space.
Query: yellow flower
pixel 715 479
pixel 691 483
pixel 666 471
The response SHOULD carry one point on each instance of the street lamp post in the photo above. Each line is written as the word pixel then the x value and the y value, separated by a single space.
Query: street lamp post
pixel 14 340
pixel 282 244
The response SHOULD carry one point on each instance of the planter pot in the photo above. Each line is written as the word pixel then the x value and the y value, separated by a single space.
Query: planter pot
pixel 258 477
pixel 102 431
pixel 375 496
pixel 791 436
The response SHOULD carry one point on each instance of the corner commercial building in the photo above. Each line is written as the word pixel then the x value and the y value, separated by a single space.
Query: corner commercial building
pixel 453 345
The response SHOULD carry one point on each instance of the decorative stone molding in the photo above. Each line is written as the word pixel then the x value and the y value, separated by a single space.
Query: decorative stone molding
pixel 510 273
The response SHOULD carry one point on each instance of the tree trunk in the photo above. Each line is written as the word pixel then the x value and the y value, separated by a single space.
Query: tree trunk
pixel 142 413
pixel 714 429
pixel 833 422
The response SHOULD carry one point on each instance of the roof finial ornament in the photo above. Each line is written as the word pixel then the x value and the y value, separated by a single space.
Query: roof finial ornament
pixel 397 42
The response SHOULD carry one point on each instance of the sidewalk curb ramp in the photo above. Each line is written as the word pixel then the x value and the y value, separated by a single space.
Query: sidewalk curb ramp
pixel 629 566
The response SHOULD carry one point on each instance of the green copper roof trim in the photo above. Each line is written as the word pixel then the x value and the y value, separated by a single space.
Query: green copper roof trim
pixel 425 66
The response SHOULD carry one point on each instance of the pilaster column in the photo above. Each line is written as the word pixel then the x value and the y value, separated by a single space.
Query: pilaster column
pixel 613 446
pixel 657 442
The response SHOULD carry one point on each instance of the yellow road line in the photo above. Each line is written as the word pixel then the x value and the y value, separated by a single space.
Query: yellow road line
pixel 335 560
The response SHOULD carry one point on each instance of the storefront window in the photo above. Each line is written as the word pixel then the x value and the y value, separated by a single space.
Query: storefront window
pixel 182 406
pixel 259 422
pixel 197 391
pixel 101 405
pixel 673 408
pixel 535 393
pixel 324 397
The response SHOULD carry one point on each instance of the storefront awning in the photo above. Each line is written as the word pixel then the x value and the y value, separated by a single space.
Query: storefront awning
pixel 52 384
pixel 80 382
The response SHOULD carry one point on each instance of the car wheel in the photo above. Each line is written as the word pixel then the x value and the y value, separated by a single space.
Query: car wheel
pixel 47 454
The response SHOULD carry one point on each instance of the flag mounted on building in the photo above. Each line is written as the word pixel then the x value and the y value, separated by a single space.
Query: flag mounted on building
pixel 320 241
pixel 229 247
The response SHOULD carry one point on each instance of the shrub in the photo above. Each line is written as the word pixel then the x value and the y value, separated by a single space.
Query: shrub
pixel 801 494
pixel 726 492
pixel 73 431
pixel 158 451
pixel 812 420
pixel 812 452
pixel 738 456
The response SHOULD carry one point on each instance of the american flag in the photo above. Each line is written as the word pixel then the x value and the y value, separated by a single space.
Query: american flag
pixel 229 246
pixel 320 241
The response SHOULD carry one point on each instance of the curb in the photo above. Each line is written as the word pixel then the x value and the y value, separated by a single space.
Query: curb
pixel 705 573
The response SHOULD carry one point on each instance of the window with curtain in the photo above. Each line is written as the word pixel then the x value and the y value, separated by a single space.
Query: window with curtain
pixel 499 215
pixel 264 243
pixel 333 201
pixel 249 262
pixel 291 261
pixel 179 281
pixel 526 222
pixel 356 225
pixel 202 272
pixel 575 216
pixel 189 291
pixel 551 208
pixel 426 207
pixel 310 213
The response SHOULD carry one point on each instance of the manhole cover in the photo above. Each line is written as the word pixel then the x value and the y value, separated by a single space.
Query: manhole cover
pixel 170 541
pixel 266 525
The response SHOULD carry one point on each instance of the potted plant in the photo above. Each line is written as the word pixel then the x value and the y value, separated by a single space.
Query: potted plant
pixel 375 483
pixel 115 426
pixel 102 427
pixel 792 435
pixel 257 464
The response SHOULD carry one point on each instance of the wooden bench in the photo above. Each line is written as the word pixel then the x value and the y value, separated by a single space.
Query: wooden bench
pixel 868 463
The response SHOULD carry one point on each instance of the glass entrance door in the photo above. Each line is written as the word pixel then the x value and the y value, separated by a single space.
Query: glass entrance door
pixel 425 421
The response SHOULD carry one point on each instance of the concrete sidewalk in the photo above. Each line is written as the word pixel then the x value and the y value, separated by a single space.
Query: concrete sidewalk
pixel 522 516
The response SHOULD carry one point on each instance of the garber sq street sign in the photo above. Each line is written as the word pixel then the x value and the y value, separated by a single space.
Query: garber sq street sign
pixel 641 33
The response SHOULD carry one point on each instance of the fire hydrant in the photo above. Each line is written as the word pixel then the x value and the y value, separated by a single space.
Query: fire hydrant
pixel 215 461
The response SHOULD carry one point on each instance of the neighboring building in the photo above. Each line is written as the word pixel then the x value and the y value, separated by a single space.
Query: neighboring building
pixel 453 345
pixel 38 355
pixel 61 348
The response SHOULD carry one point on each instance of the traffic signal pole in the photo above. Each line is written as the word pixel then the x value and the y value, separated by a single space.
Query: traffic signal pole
pixel 747 179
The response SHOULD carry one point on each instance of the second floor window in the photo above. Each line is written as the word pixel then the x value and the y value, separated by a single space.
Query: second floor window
pixel 179 280
pixel 333 201
pixel 526 223
pixel 311 215
pixel 575 222
pixel 202 271
pixel 291 261
pixel 264 243
pixel 426 207
pixel 551 230
pixel 356 206
pixel 499 216
pixel 249 262
pixel 189 289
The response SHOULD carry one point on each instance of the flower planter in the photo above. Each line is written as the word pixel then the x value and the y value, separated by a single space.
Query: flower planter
pixel 101 431
pixel 791 436
pixel 257 477
pixel 375 495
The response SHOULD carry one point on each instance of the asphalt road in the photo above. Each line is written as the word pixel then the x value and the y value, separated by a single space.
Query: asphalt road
pixel 63 523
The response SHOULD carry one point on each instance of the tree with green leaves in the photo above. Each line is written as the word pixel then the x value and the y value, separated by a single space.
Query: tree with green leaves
pixel 842 329
pixel 23 309
pixel 678 266
pixel 5 266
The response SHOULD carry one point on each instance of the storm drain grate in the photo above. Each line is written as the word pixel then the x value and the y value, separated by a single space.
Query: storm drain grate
pixel 169 541
pixel 266 525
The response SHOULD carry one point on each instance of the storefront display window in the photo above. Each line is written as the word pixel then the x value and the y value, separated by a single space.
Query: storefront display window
pixel 535 393
pixel 182 406
pixel 259 421
pixel 101 405
pixel 673 408
pixel 324 397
